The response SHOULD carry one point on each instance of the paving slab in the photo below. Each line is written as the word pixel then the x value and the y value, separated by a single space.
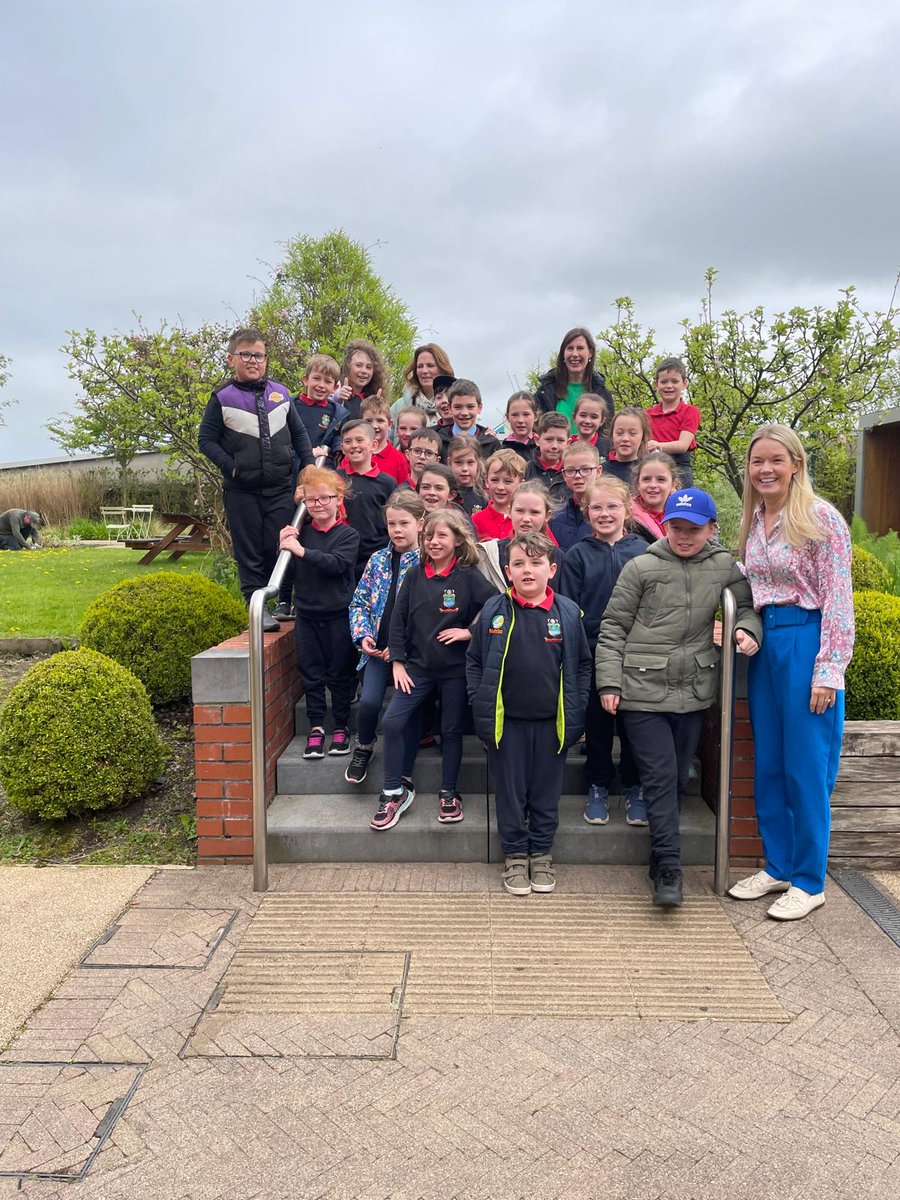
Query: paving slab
pixel 500 1105
pixel 49 917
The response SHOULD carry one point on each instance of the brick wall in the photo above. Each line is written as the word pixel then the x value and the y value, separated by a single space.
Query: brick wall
pixel 221 689
pixel 745 849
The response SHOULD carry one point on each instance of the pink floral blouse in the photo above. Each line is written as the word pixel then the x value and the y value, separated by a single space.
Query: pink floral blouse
pixel 815 575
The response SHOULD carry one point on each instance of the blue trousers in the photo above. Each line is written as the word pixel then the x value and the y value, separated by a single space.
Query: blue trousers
pixel 796 752
pixel 401 728
pixel 377 677
pixel 527 770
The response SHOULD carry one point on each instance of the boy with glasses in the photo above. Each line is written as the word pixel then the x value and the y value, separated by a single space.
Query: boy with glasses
pixel 249 430
pixel 580 467
pixel 424 451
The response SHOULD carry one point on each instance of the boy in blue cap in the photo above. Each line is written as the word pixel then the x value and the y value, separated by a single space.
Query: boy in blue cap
pixel 657 665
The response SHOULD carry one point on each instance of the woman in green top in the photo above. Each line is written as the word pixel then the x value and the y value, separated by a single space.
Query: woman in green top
pixel 573 375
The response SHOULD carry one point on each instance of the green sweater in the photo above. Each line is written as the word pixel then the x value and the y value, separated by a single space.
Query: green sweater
pixel 656 645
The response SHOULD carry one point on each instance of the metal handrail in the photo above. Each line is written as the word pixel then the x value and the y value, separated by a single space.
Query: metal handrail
pixel 726 744
pixel 258 711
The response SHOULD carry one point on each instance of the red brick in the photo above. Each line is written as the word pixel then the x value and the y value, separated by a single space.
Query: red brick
pixel 213 860
pixel 234 733
pixel 208 770
pixel 207 752
pixel 209 808
pixel 744 827
pixel 207 714
pixel 743 806
pixel 238 827
pixel 239 753
pixel 741 787
pixel 212 733
pixel 238 791
pixel 746 846
pixel 237 808
pixel 209 827
pixel 227 846
pixel 208 788
pixel 236 714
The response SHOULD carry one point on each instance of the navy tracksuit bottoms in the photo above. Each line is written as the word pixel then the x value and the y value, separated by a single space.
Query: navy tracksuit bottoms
pixel 254 522
pixel 664 745
pixel 527 771
pixel 326 657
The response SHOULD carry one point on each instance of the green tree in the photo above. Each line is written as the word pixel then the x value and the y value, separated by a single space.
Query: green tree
pixel 323 294
pixel 815 369
pixel 146 390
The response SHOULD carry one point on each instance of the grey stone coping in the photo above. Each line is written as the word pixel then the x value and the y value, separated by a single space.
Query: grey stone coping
pixel 221 676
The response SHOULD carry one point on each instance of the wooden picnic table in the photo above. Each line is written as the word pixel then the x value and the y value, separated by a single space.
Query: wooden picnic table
pixel 188 535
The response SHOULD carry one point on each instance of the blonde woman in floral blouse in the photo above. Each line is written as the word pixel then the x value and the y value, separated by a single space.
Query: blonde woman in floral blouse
pixel 796 552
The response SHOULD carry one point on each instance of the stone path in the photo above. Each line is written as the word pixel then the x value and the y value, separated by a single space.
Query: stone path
pixel 473 1106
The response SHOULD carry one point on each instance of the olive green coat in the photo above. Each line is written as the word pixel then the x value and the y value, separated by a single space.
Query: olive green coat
pixel 656 639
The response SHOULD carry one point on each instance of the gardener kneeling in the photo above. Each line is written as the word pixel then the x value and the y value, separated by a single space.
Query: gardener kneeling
pixel 17 527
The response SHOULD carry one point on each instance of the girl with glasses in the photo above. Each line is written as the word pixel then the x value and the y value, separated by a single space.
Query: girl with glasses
pixel 325 552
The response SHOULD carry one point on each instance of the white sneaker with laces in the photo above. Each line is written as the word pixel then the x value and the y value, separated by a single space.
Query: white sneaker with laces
pixel 755 886
pixel 795 903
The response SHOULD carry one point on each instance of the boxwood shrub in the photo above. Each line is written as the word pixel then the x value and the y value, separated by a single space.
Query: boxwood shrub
pixel 869 573
pixel 873 677
pixel 154 625
pixel 77 734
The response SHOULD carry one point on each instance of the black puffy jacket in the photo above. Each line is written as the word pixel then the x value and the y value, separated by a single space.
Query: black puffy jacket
pixel 484 670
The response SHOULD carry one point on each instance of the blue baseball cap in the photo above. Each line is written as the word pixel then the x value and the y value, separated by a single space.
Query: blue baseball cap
pixel 691 504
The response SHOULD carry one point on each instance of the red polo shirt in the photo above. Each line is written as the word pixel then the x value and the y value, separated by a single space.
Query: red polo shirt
pixel 489 523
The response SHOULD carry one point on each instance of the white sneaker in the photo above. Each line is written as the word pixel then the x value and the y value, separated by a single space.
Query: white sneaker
pixel 760 884
pixel 796 903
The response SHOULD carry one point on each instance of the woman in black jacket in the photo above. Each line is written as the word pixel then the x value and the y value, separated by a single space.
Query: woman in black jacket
pixel 574 373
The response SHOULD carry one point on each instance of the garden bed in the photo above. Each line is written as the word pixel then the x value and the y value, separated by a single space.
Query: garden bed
pixel 157 828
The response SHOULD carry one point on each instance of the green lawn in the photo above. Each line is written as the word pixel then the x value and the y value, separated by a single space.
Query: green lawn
pixel 44 593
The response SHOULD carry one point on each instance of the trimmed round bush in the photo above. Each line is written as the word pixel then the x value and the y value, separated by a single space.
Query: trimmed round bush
pixel 873 677
pixel 77 734
pixel 153 625
pixel 869 573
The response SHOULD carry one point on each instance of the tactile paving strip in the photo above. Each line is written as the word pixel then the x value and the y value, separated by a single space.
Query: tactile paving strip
pixel 490 954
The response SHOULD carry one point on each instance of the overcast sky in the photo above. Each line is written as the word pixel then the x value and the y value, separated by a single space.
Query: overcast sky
pixel 515 166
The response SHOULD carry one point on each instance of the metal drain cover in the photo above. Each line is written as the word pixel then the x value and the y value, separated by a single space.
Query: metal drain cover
pixel 304 1003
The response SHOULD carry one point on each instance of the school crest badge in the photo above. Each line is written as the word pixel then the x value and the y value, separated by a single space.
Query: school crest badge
pixel 497 624
pixel 449 598
pixel 554 629
pixel 324 420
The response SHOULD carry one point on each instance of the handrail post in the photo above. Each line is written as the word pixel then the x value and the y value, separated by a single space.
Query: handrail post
pixel 257 667
pixel 726 744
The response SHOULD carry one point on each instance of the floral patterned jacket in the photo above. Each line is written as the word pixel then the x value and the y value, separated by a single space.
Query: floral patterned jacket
pixel 370 597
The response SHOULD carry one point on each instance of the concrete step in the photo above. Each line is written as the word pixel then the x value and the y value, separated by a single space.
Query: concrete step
pixel 297 776
pixel 334 828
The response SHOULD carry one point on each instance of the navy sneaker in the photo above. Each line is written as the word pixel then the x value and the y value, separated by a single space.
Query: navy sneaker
pixel 596 811
pixel 635 806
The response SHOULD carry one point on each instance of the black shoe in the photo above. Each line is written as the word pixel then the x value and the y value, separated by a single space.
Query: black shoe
pixel 283 612
pixel 358 766
pixel 270 625
pixel 667 893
